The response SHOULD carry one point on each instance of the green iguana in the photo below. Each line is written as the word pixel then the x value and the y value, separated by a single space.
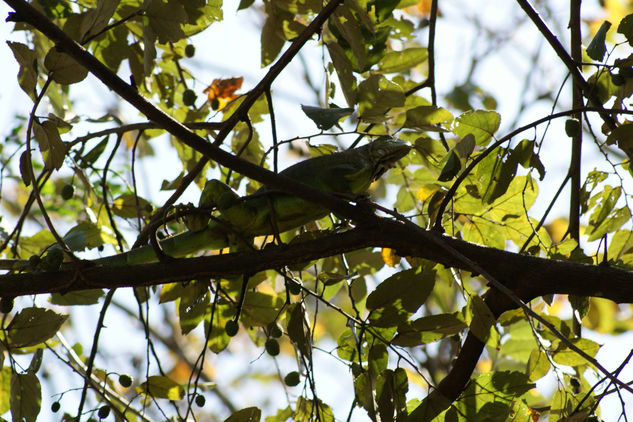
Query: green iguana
pixel 269 211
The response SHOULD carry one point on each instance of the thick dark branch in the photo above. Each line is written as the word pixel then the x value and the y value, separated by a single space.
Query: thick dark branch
pixel 528 276
pixel 577 102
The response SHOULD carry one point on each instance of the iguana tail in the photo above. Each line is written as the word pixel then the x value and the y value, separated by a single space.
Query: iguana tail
pixel 211 238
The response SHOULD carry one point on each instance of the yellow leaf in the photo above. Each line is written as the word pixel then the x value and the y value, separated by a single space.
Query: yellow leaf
pixel 426 191
pixel 389 257
pixel 557 229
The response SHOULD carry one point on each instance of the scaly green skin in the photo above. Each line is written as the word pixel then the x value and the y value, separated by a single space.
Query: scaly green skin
pixel 349 172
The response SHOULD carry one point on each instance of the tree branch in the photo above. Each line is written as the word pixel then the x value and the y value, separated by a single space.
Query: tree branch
pixel 528 276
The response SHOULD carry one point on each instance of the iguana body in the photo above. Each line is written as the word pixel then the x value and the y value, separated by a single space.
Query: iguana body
pixel 268 211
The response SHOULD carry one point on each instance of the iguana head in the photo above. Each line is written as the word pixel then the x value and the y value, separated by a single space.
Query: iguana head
pixel 384 152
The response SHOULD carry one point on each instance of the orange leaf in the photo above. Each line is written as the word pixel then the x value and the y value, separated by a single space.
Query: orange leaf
pixel 221 91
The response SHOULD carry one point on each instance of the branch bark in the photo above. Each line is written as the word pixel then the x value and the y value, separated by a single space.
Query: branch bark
pixel 527 276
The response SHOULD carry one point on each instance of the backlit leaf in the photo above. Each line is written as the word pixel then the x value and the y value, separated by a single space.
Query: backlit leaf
pixel 482 124
pixel 325 118
pixel 249 414
pixel 32 326
pixel 27 59
pixel 376 95
pixel 166 19
pixel 597 46
pixel 26 397
pixel 161 388
pixel 397 61
pixel 64 69
pixel 563 355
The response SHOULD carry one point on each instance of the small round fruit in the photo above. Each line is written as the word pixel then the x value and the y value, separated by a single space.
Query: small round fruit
pixel 190 50
pixel 67 192
pixel 572 127
pixel 274 330
pixel 6 305
pixel 188 97
pixel 55 407
pixel 272 347
pixel 200 400
pixel 125 380
pixel 103 412
pixel 292 378
pixel 294 288
pixel 231 327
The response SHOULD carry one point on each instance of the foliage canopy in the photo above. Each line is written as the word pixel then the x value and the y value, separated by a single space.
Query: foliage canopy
pixel 446 295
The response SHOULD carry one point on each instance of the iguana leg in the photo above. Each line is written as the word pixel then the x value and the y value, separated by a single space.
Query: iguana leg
pixel 233 209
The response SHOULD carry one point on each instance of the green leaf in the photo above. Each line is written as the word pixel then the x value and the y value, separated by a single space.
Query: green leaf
pixel 623 136
pixel 32 326
pixel 504 385
pixel 348 28
pixel 97 18
pixel 192 307
pixel 260 309
pixel 602 84
pixel 218 338
pixel 429 329
pixel 161 388
pixel 51 145
pixel 447 324
pixel 271 41
pixel 626 28
pixel 397 61
pixel 91 156
pixel 344 71
pixel 166 19
pixel 565 356
pixel 64 69
pixel 376 95
pixel 517 200
pixel 300 7
pixel 325 118
pixel 346 346
pixel 298 330
pixel 80 297
pixel 410 287
pixel 465 146
pixel 26 397
pixel 482 124
pixel 245 4
pixel 597 46
pixel 305 410
pixel 483 321
pixel 451 167
pixel 27 59
pixel 86 235
pixel 125 206
pixel 538 365
pixel 5 389
pixel 24 169
pixel 248 414
pixel 428 117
